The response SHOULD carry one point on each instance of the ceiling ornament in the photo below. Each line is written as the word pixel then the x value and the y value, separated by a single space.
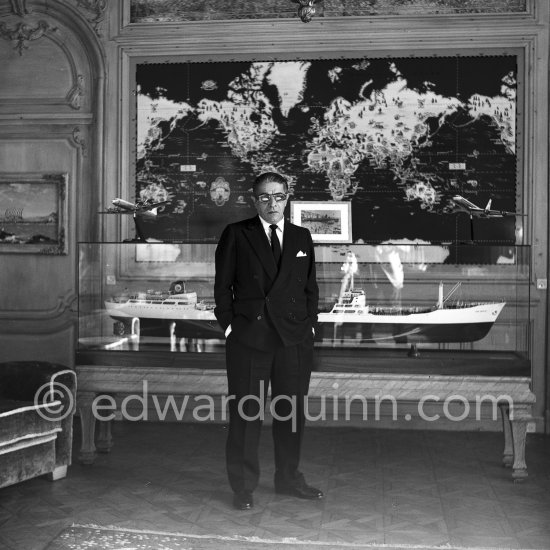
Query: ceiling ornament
pixel 306 9
pixel 24 33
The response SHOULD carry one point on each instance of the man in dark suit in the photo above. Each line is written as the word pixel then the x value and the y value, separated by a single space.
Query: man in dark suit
pixel 266 302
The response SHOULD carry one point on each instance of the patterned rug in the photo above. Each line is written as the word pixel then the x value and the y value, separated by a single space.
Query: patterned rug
pixel 92 537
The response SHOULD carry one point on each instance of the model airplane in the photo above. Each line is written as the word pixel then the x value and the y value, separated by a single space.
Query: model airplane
pixel 146 208
pixel 141 209
pixel 473 210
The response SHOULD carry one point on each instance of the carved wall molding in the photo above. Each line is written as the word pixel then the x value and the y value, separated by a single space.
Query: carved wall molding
pixel 65 304
pixel 79 140
pixel 16 124
pixel 71 94
pixel 24 33
pixel 19 7
pixel 75 94
pixel 97 8
pixel 31 327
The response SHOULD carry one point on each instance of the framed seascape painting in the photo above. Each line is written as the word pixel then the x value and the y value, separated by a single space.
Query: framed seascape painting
pixel 328 222
pixel 33 213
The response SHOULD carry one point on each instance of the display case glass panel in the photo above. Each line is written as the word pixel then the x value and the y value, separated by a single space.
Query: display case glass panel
pixel 159 297
pixel 471 297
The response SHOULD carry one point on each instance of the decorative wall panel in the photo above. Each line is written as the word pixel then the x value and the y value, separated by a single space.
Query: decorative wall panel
pixel 159 11
pixel 47 72
pixel 51 116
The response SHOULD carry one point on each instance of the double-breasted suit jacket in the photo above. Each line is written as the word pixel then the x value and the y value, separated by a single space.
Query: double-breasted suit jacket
pixel 253 296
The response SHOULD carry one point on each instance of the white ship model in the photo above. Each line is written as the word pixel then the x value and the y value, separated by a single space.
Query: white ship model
pixel 446 321
pixel 156 310
pixel 453 322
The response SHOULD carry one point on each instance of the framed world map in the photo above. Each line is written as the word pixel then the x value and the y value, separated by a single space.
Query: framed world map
pixel 399 138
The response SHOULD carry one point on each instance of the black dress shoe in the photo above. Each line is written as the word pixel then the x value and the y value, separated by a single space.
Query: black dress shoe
pixel 243 500
pixel 299 489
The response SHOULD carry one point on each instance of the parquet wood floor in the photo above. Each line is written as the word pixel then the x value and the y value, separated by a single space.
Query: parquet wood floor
pixel 382 486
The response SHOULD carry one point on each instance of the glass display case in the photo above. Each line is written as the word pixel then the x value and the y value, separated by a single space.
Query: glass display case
pixel 407 297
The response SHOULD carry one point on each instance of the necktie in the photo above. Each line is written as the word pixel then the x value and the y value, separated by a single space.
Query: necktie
pixel 275 244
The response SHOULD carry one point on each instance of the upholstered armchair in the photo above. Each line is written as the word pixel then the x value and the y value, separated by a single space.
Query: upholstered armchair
pixel 37 402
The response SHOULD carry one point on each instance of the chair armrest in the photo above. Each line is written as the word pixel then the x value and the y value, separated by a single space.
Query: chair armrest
pixel 20 380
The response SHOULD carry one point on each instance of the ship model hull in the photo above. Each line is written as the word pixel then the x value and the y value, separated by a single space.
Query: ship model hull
pixel 175 313
pixel 162 323
pixel 352 319
pixel 438 325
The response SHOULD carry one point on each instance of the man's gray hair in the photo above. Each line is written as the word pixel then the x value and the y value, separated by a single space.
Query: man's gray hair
pixel 268 177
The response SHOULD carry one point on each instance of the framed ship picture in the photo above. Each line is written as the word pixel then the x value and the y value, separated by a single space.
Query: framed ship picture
pixel 33 213
pixel 328 222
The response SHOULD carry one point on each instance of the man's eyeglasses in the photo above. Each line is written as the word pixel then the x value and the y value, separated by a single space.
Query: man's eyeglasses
pixel 279 197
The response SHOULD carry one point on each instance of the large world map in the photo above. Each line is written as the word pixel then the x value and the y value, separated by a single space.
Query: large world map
pixel 396 137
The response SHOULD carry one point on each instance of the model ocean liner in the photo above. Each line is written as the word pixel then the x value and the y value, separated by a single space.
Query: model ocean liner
pixel 157 310
pixel 352 318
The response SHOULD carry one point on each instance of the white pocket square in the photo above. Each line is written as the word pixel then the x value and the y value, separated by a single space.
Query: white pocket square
pixel 301 254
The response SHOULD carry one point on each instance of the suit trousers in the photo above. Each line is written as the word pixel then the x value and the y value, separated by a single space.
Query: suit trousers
pixel 249 373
